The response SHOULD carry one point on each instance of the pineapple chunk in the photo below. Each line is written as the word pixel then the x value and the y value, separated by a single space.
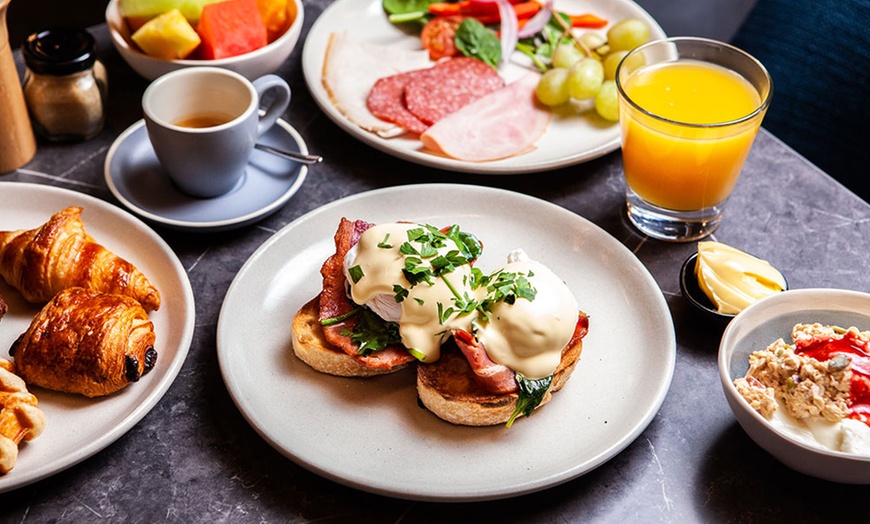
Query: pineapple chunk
pixel 168 36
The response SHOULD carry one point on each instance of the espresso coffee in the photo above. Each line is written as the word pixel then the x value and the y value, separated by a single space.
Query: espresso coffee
pixel 206 120
pixel 203 122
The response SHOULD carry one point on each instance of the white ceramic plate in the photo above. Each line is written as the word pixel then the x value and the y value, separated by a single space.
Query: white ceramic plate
pixel 758 326
pixel 570 139
pixel 371 434
pixel 78 427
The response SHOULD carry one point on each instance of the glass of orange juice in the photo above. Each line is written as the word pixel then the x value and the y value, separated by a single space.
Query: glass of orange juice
pixel 689 110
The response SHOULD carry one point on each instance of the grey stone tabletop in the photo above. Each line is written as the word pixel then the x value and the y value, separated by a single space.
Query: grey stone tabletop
pixel 194 458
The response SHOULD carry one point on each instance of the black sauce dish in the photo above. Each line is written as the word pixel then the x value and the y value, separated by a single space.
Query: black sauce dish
pixel 696 297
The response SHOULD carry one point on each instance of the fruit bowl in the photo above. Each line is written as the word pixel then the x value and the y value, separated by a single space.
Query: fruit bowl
pixel 251 65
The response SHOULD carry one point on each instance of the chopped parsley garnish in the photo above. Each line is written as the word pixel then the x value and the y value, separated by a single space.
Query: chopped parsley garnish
pixel 502 286
pixel 384 244
pixel 422 259
pixel 356 273
pixel 415 272
pixel 339 318
pixel 417 354
pixel 464 303
pixel 400 293
pixel 507 287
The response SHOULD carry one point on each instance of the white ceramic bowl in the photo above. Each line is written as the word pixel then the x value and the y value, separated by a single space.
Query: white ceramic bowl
pixel 251 65
pixel 754 329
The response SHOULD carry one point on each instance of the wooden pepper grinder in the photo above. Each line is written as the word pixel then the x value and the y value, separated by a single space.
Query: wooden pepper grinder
pixel 17 142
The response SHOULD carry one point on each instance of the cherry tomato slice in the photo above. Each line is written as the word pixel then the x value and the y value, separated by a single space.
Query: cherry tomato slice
pixel 438 36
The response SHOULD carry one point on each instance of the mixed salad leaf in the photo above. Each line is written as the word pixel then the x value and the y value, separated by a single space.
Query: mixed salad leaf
pixel 482 33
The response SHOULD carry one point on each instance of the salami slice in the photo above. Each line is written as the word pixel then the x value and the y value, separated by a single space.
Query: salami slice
pixel 387 101
pixel 448 86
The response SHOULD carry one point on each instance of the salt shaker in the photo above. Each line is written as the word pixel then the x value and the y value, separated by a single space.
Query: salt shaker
pixel 64 85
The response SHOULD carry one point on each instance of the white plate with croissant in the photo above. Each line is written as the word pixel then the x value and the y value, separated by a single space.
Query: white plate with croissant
pixel 123 303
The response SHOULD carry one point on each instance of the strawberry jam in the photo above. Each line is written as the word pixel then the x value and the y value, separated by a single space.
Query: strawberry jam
pixel 858 352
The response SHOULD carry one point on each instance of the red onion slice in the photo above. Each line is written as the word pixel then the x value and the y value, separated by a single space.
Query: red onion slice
pixel 509 26
pixel 509 29
pixel 537 22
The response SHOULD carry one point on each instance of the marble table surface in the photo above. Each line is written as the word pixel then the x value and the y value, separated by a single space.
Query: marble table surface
pixel 194 458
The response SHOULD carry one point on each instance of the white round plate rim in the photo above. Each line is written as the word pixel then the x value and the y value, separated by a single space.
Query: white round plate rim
pixel 301 413
pixel 365 18
pixel 132 239
pixel 204 226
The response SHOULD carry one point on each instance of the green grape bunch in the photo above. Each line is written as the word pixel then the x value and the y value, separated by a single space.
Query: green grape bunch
pixel 584 68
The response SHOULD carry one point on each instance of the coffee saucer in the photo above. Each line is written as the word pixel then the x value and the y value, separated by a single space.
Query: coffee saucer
pixel 136 178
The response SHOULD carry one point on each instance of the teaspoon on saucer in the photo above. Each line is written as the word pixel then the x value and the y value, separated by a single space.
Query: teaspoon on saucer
pixel 292 155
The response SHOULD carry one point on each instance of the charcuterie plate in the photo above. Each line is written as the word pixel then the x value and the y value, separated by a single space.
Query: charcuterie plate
pixel 570 138
pixel 371 434
pixel 77 427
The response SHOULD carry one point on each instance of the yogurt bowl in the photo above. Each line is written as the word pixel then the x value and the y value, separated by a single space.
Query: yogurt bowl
pixel 251 65
pixel 758 326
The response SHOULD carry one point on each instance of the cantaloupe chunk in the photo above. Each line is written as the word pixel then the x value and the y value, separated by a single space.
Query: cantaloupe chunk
pixel 230 28
pixel 168 36
pixel 137 12
pixel 274 15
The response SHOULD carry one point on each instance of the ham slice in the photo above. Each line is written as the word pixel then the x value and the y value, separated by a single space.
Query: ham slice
pixel 504 123
pixel 493 377
pixel 350 69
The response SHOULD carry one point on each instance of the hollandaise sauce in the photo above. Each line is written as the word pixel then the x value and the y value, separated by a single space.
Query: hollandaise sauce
pixel 403 272
pixel 528 335
pixel 423 279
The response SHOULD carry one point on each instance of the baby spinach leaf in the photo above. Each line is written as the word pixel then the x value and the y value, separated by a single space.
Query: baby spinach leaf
pixel 474 40
pixel 531 395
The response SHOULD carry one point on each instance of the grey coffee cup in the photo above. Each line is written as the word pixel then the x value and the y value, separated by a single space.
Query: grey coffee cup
pixel 203 123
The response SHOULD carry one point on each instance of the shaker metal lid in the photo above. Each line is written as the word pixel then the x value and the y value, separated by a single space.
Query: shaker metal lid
pixel 59 51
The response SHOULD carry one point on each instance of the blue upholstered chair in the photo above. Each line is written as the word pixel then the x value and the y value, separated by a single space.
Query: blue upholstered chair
pixel 818 53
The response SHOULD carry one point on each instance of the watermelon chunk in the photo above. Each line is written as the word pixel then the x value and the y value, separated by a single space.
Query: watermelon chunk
pixel 230 28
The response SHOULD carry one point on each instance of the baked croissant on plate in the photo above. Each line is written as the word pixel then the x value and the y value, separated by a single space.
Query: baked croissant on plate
pixel 86 342
pixel 20 416
pixel 60 254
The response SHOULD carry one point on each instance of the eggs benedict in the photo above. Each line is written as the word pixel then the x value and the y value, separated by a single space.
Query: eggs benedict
pixel 399 293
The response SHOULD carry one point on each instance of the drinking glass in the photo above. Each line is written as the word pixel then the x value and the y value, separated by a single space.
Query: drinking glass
pixel 689 112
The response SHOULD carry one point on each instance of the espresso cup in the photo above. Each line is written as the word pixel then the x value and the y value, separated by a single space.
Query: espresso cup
pixel 203 123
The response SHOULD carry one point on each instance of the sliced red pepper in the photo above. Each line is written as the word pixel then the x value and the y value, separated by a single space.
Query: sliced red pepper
pixel 475 9
pixel 446 8
pixel 524 11
pixel 587 20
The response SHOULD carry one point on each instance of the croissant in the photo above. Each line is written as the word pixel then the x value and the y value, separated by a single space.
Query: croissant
pixel 60 254
pixel 86 342
pixel 20 416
